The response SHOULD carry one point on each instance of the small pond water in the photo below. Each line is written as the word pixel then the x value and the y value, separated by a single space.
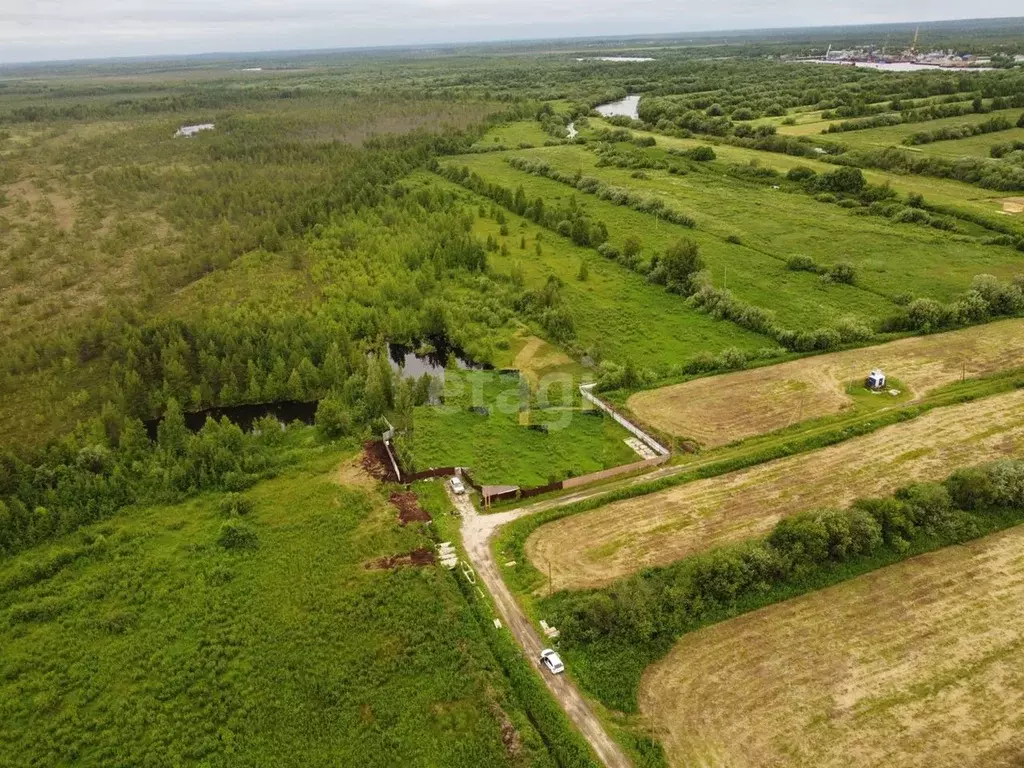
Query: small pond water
pixel 412 366
pixel 626 107
pixel 245 416
pixel 571 128
pixel 402 359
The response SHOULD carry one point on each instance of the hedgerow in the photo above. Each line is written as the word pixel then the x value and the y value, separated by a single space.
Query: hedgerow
pixel 610 635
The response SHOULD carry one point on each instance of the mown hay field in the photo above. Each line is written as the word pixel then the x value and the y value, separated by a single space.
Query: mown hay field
pixel 597 547
pixel 719 410
pixel 918 664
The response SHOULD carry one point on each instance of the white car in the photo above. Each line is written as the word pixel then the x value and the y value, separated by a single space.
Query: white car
pixel 552 661
pixel 457 486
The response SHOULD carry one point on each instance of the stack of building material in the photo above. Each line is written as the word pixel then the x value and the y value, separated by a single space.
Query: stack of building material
pixel 446 554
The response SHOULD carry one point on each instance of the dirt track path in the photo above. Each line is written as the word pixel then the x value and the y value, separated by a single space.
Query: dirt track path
pixel 477 532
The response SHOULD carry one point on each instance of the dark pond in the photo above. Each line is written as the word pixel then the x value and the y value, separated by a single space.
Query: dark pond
pixel 245 416
pixel 403 359
pixel 413 366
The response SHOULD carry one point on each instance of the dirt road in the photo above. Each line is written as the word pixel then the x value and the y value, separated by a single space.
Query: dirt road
pixel 477 532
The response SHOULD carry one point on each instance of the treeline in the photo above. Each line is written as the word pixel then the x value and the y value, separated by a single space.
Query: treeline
pixel 988 298
pixel 991 174
pixel 568 220
pixel 953 132
pixel 593 186
pixel 110 463
pixel 925 114
pixel 745 90
pixel 1001 150
pixel 848 188
pixel 640 617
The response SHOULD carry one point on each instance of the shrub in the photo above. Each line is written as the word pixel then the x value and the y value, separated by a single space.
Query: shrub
pixel 702 153
pixel 236 535
pixel 852 329
pixel 841 272
pixel 234 504
pixel 800 173
pixel 332 417
pixel 803 264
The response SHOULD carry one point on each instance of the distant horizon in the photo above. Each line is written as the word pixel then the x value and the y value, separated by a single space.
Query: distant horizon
pixel 440 35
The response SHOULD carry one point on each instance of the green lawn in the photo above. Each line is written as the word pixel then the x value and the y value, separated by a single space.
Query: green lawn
pixel 500 450
pixel 616 311
pixel 890 258
pixel 142 641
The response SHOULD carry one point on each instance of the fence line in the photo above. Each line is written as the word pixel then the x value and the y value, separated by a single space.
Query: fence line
pixel 622 469
pixel 650 441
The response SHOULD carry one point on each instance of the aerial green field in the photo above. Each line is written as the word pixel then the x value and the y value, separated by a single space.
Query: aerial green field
pixel 951 195
pixel 513 135
pixel 499 447
pixel 890 258
pixel 617 314
pixel 974 146
pixel 153 638
pixel 893 135
pixel 247 592
pixel 799 300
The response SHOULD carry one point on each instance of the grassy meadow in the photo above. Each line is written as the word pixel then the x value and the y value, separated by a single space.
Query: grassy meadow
pixel 890 258
pixel 617 314
pixel 893 135
pixel 799 300
pixel 949 193
pixel 146 641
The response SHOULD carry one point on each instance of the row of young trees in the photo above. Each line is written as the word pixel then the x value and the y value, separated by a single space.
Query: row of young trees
pixel 651 609
pixel 953 132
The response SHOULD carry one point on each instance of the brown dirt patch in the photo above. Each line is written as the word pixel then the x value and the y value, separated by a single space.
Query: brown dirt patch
pixel 721 409
pixel 352 473
pixel 1013 204
pixel 595 548
pixel 375 461
pixel 917 665
pixel 418 557
pixel 536 357
pixel 409 510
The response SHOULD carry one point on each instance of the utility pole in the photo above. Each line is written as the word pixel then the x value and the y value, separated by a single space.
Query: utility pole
pixel 549 578
pixel 726 280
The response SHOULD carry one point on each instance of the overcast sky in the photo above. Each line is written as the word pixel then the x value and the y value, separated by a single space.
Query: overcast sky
pixel 39 30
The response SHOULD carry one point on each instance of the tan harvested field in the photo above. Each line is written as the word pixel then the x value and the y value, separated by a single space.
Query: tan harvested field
pixel 721 409
pixel 917 665
pixel 595 548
